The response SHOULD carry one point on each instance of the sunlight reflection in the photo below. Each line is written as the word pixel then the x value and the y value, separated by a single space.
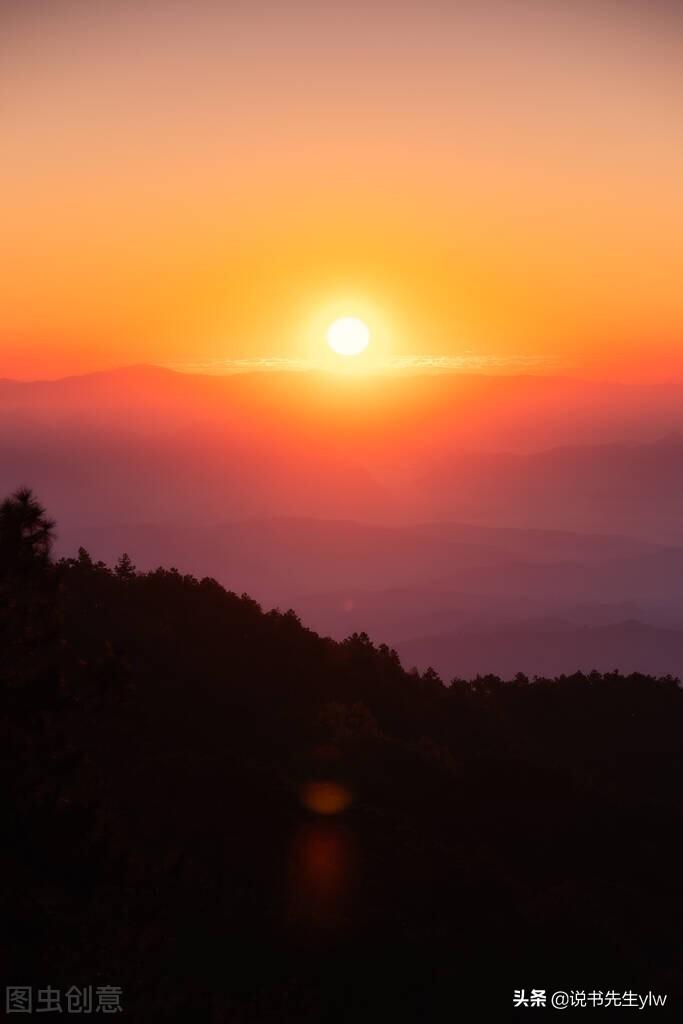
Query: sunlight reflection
pixel 321 875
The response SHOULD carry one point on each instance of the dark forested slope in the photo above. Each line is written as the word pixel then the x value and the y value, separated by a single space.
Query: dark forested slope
pixel 235 819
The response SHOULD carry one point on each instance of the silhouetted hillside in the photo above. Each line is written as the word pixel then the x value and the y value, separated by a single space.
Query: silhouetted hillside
pixel 236 819
pixel 476 598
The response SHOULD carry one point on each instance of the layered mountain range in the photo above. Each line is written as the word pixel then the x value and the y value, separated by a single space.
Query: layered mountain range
pixel 478 524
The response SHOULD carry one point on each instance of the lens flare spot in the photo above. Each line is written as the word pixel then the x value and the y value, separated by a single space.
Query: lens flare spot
pixel 325 797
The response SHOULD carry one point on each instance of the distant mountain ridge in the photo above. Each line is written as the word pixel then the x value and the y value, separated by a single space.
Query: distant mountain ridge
pixel 544 648
pixel 382 450
pixel 410 507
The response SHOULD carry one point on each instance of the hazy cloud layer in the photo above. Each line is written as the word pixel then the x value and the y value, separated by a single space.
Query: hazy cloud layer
pixel 467 362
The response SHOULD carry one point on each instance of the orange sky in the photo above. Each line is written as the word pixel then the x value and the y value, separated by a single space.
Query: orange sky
pixel 496 183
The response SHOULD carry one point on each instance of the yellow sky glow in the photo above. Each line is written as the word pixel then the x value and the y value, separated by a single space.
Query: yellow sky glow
pixel 191 188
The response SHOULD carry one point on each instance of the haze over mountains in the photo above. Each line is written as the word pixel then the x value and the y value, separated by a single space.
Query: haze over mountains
pixel 436 513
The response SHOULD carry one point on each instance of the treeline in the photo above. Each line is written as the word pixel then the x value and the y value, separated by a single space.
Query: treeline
pixel 236 819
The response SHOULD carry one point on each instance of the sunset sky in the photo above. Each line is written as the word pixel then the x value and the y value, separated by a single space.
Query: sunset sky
pixel 496 185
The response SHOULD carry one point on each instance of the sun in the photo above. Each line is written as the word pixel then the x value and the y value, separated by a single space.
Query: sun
pixel 348 336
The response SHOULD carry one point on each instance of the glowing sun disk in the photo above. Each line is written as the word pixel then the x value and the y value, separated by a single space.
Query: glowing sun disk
pixel 348 336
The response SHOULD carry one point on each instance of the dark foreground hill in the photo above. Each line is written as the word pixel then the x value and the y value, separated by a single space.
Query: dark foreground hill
pixel 235 819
